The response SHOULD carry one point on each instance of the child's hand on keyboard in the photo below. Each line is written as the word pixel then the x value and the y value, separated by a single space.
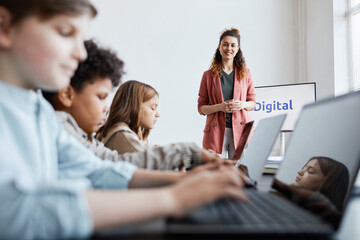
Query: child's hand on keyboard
pixel 205 185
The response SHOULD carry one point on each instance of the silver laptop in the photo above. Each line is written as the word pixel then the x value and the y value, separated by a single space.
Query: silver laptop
pixel 260 146
pixel 328 129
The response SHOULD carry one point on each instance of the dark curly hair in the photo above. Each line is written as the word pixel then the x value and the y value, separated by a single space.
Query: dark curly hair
pixel 239 60
pixel 99 63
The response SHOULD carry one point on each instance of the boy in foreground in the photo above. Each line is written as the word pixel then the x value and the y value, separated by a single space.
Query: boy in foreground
pixel 48 179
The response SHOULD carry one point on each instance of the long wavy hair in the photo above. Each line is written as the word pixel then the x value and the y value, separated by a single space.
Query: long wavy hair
pixel 239 60
pixel 126 107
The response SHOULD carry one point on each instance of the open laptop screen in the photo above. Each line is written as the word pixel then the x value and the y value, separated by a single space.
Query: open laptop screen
pixel 256 154
pixel 324 148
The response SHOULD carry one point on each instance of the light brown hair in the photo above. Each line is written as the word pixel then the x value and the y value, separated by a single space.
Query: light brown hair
pixel 126 107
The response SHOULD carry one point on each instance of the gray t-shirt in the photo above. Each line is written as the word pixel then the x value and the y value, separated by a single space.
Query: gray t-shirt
pixel 227 87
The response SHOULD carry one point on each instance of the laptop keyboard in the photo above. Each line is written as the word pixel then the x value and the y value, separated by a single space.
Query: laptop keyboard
pixel 262 208
pixel 264 213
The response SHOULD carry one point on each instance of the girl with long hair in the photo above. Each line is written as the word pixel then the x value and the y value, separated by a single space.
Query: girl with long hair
pixel 133 113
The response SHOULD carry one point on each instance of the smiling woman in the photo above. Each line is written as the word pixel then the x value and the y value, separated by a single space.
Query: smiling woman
pixel 47 176
pixel 180 42
pixel 226 94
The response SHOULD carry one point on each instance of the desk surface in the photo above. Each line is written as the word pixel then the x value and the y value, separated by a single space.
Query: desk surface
pixel 348 230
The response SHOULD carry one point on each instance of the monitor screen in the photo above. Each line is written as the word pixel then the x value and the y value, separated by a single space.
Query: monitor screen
pixel 280 99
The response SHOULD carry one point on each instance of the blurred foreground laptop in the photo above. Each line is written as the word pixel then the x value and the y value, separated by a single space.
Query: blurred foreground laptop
pixel 255 156
pixel 328 128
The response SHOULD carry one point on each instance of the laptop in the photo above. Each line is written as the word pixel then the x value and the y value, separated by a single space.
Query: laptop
pixel 328 128
pixel 255 156
pixel 245 137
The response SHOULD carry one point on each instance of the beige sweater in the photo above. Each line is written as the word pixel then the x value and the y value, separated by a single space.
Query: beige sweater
pixel 122 139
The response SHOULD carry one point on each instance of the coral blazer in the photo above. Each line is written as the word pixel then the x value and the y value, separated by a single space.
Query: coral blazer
pixel 210 93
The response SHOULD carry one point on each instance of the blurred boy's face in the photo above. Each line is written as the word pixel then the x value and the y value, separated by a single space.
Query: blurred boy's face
pixel 46 53
pixel 89 106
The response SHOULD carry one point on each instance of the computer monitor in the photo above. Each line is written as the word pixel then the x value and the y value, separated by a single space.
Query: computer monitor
pixel 280 99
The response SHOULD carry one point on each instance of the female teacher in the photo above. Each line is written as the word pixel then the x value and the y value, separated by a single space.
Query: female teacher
pixel 226 94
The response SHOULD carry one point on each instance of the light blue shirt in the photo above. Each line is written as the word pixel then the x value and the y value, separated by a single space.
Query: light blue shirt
pixel 44 171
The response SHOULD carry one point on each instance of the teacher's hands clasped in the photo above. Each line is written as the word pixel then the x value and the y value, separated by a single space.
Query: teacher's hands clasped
pixel 232 106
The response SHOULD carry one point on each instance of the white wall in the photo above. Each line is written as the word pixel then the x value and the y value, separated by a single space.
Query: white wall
pixel 341 47
pixel 320 46
pixel 170 43
pixel 327 46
